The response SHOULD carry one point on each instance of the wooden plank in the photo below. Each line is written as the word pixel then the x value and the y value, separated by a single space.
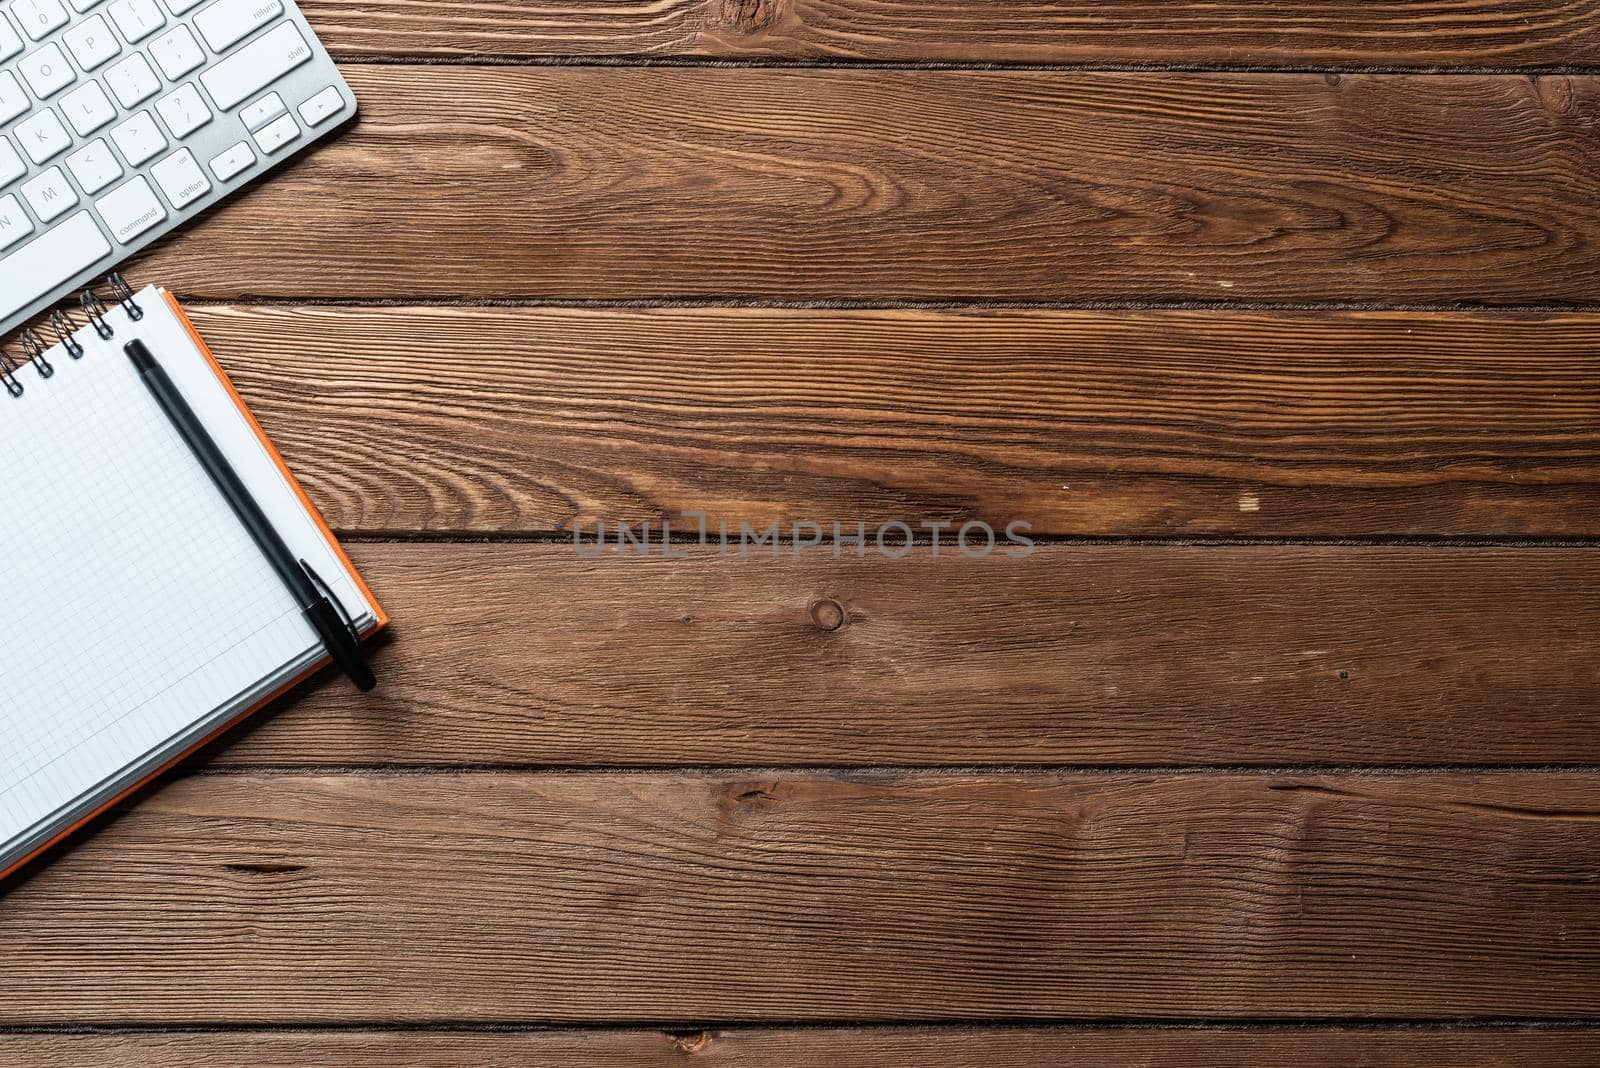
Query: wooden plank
pixel 1475 33
pixel 531 654
pixel 841 1047
pixel 605 183
pixel 286 898
pixel 522 420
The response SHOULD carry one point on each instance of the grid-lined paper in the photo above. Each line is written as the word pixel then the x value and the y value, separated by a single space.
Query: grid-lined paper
pixel 136 608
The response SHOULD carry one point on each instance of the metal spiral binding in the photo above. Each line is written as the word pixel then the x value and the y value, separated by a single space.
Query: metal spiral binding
pixel 122 292
pixel 96 309
pixel 33 347
pixel 63 329
pixel 8 373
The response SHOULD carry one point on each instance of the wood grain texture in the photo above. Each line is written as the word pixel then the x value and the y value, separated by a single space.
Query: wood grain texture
pixel 840 1047
pixel 1465 33
pixel 880 185
pixel 518 420
pixel 272 899
pixel 531 654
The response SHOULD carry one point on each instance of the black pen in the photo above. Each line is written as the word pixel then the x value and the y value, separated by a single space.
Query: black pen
pixel 312 594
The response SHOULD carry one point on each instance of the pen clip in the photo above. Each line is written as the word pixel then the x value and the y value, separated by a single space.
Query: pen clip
pixel 338 605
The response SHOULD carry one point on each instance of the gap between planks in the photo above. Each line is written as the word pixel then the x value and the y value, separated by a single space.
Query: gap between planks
pixel 487 60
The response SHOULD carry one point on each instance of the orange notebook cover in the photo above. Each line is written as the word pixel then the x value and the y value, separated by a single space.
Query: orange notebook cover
pixel 18 777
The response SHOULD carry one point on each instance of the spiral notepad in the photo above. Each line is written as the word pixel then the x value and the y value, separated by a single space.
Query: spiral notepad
pixel 140 618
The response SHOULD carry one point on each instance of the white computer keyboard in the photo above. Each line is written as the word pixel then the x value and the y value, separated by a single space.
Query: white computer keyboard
pixel 121 119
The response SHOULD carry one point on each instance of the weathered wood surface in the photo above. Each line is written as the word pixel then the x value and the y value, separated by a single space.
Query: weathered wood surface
pixel 533 655
pixel 523 420
pixel 603 183
pixel 1328 33
pixel 506 885
pixel 289 898
pixel 840 1047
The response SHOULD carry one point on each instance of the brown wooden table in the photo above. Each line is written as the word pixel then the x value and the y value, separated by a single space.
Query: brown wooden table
pixel 1279 323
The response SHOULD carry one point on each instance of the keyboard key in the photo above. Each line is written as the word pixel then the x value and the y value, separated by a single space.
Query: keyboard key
pixel 47 71
pixel 50 195
pixel 80 6
pixel 91 42
pixel 180 179
pixel 139 140
pixel 39 18
pixel 14 222
pixel 10 43
pixel 133 81
pixel 277 134
pixel 130 209
pixel 256 66
pixel 258 114
pixel 137 19
pixel 234 161
pixel 13 101
pixel 228 22
pixel 49 260
pixel 43 136
pixel 179 7
pixel 11 165
pixel 95 166
pixel 177 53
pixel 322 107
pixel 87 108
pixel 183 111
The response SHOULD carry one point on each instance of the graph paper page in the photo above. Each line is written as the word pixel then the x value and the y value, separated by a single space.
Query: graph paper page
pixel 135 605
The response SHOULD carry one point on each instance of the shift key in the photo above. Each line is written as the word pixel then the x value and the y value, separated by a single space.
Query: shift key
pixel 256 65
